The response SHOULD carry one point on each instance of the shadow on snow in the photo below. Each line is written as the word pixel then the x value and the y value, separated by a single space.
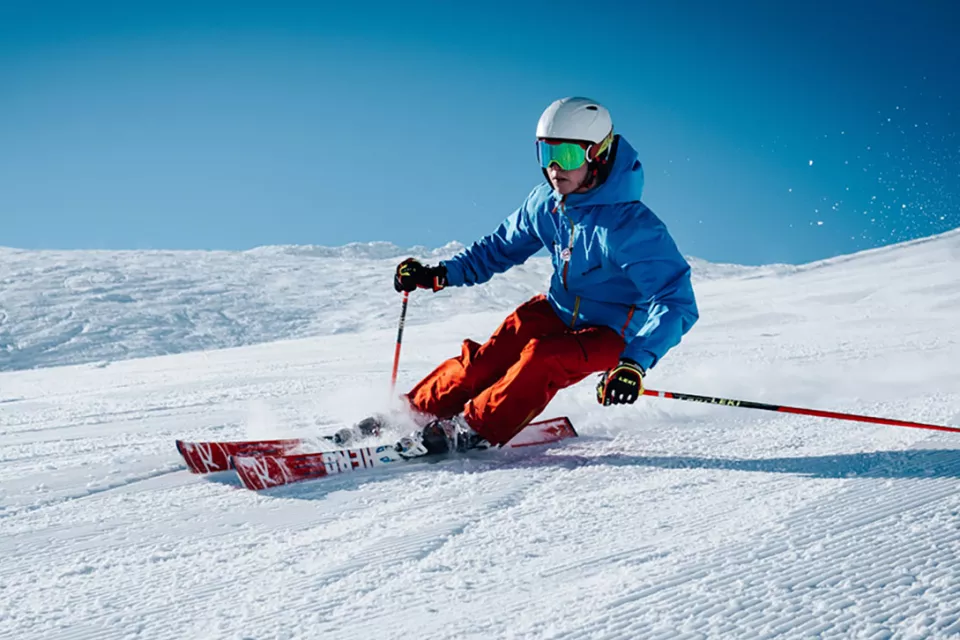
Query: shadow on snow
pixel 917 463
pixel 925 463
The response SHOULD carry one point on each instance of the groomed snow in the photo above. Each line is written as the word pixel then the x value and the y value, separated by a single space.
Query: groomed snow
pixel 664 520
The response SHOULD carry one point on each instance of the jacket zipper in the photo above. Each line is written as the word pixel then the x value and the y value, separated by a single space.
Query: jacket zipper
pixel 566 264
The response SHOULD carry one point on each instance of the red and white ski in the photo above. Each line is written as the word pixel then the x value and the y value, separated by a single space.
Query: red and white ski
pixel 207 457
pixel 264 471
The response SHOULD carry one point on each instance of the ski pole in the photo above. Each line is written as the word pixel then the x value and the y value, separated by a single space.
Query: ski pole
pixel 746 404
pixel 396 354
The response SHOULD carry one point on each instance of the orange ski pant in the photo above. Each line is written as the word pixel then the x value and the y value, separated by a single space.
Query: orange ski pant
pixel 503 384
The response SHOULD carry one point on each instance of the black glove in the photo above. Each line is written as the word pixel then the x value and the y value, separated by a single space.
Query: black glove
pixel 411 274
pixel 621 385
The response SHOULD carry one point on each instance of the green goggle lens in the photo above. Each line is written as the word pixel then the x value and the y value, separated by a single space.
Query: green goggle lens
pixel 566 155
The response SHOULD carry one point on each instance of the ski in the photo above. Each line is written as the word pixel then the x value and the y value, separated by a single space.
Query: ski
pixel 263 471
pixel 213 456
pixel 209 457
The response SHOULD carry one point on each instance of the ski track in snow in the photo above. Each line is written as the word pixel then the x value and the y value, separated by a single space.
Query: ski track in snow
pixel 664 520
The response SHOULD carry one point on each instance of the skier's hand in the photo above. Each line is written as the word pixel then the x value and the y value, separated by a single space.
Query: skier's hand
pixel 411 275
pixel 621 385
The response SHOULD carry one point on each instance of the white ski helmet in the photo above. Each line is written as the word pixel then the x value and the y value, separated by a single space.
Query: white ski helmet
pixel 575 119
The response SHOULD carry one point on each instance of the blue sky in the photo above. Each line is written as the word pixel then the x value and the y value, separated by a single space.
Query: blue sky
pixel 232 125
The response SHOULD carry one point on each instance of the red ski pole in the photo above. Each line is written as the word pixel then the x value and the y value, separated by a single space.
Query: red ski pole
pixel 396 354
pixel 746 404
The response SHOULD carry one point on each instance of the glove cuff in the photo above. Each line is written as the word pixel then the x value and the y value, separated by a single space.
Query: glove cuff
pixel 439 274
pixel 631 364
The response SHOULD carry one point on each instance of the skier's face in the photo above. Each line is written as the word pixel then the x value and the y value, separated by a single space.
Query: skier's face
pixel 565 182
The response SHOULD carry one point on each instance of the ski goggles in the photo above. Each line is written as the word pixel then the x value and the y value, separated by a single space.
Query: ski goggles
pixel 566 155
pixel 570 155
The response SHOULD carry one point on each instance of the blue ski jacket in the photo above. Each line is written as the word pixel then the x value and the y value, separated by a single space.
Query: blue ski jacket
pixel 614 261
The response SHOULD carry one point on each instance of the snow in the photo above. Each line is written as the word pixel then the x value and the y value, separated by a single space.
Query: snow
pixel 663 520
pixel 74 307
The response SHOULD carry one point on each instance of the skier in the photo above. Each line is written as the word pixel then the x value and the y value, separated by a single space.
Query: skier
pixel 619 299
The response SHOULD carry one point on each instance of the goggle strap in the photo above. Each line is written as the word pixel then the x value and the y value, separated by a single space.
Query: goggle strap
pixel 603 146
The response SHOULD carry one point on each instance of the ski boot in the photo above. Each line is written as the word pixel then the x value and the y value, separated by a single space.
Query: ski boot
pixel 441 436
pixel 367 428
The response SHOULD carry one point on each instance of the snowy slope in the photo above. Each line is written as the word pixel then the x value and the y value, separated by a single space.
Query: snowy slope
pixel 72 307
pixel 664 520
